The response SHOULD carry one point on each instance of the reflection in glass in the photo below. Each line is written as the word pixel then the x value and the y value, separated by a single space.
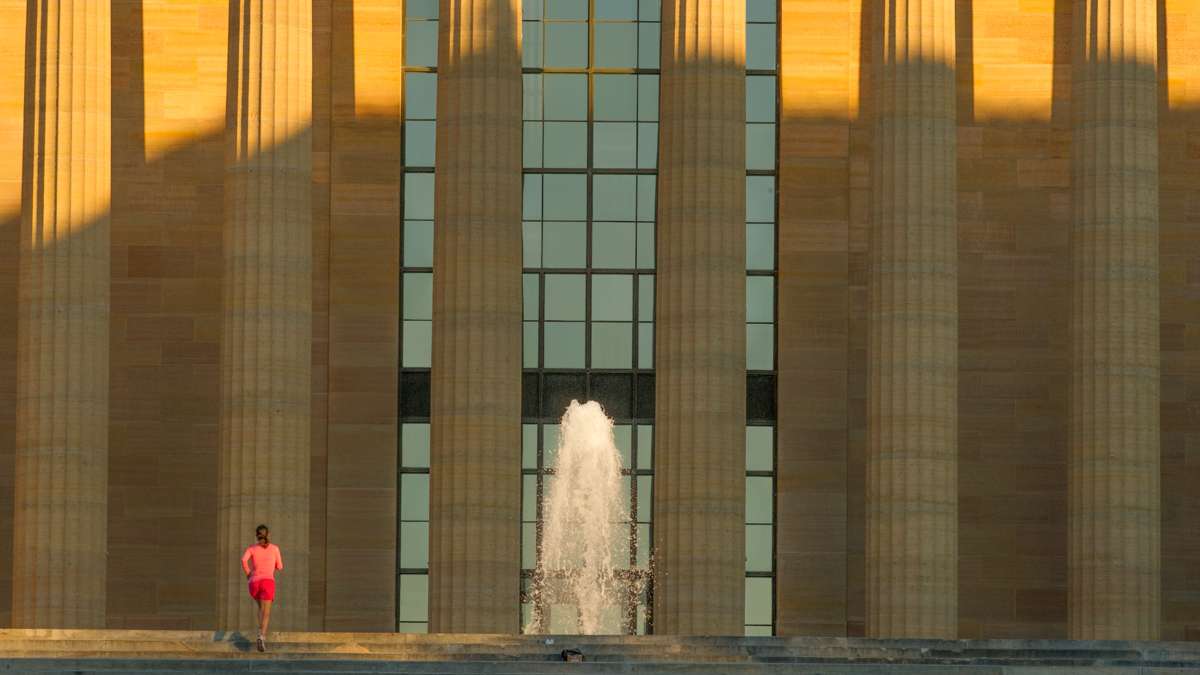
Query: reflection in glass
pixel 760 246
pixel 418 344
pixel 418 196
pixel 760 46
pixel 616 45
pixel 414 545
pixel 616 97
pixel 614 245
pixel 565 145
pixel 760 498
pixel 420 96
pixel 565 297
pixel 612 297
pixel 760 346
pixel 759 548
pixel 566 97
pixel 760 147
pixel 614 197
pixel 565 196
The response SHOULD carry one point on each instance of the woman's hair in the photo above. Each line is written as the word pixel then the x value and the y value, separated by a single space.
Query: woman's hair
pixel 262 533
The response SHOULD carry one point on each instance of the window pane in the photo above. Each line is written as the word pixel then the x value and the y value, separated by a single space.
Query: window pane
pixel 566 97
pixel 414 597
pixel 760 199
pixel 414 445
pixel 616 97
pixel 612 297
pixel 645 346
pixel 760 10
pixel 760 147
pixel 647 146
pixel 414 545
pixel 564 345
pixel 623 439
pixel 645 246
pixel 530 296
pixel 414 496
pixel 418 243
pixel 565 145
pixel 421 9
pixel 759 548
pixel 760 453
pixel 760 299
pixel 760 46
pixel 613 197
pixel 644 544
pixel 565 244
pixel 566 197
pixel 566 45
pixel 420 96
pixel 418 295
pixel 531 145
pixel 419 143
pixel 616 45
pixel 531 244
pixel 420 43
pixel 531 97
pixel 532 199
pixel 550 438
pixel 531 9
pixel 614 245
pixel 646 190
pixel 760 99
pixel 566 9
pixel 759 499
pixel 758 601
pixel 531 44
pixel 617 9
pixel 760 346
pixel 646 297
pixel 649 10
pixel 648 44
pixel 529 446
pixel 614 145
pixel 645 486
pixel 528 546
pixel 648 98
pixel 760 246
pixel 758 631
pixel 645 446
pixel 417 347
pixel 612 345
pixel 565 297
pixel 418 196
pixel 529 345
pixel 529 498
pixel 412 627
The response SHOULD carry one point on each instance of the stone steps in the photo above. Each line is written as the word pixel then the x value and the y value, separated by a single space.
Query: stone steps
pixel 139 651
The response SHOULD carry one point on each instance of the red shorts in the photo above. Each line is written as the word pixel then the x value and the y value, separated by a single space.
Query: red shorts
pixel 262 589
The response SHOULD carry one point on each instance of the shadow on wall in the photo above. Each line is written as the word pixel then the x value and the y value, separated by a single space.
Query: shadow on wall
pixel 1014 213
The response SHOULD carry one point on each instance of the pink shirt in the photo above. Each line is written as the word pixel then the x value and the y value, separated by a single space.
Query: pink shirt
pixel 263 561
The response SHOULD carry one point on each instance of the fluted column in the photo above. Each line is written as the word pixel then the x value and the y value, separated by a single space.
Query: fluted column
pixel 267 313
pixel 475 461
pixel 912 480
pixel 61 501
pixel 1114 554
pixel 699 521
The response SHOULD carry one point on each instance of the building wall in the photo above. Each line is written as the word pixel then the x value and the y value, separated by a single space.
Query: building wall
pixel 12 104
pixel 169 76
pixel 1179 212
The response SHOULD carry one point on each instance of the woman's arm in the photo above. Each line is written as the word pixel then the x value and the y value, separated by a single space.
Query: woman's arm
pixel 245 567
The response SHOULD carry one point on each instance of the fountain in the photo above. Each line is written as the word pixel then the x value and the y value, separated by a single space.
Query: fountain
pixel 578 587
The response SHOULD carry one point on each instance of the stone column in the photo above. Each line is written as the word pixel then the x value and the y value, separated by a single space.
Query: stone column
pixel 267 324
pixel 61 501
pixel 700 424
pixel 1114 554
pixel 912 479
pixel 475 416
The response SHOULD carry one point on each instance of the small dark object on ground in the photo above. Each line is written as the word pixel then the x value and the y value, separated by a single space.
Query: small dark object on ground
pixel 573 655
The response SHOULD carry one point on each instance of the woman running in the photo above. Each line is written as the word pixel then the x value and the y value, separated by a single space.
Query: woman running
pixel 259 562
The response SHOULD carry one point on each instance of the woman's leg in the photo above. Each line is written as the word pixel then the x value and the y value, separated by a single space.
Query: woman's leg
pixel 266 616
pixel 260 614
